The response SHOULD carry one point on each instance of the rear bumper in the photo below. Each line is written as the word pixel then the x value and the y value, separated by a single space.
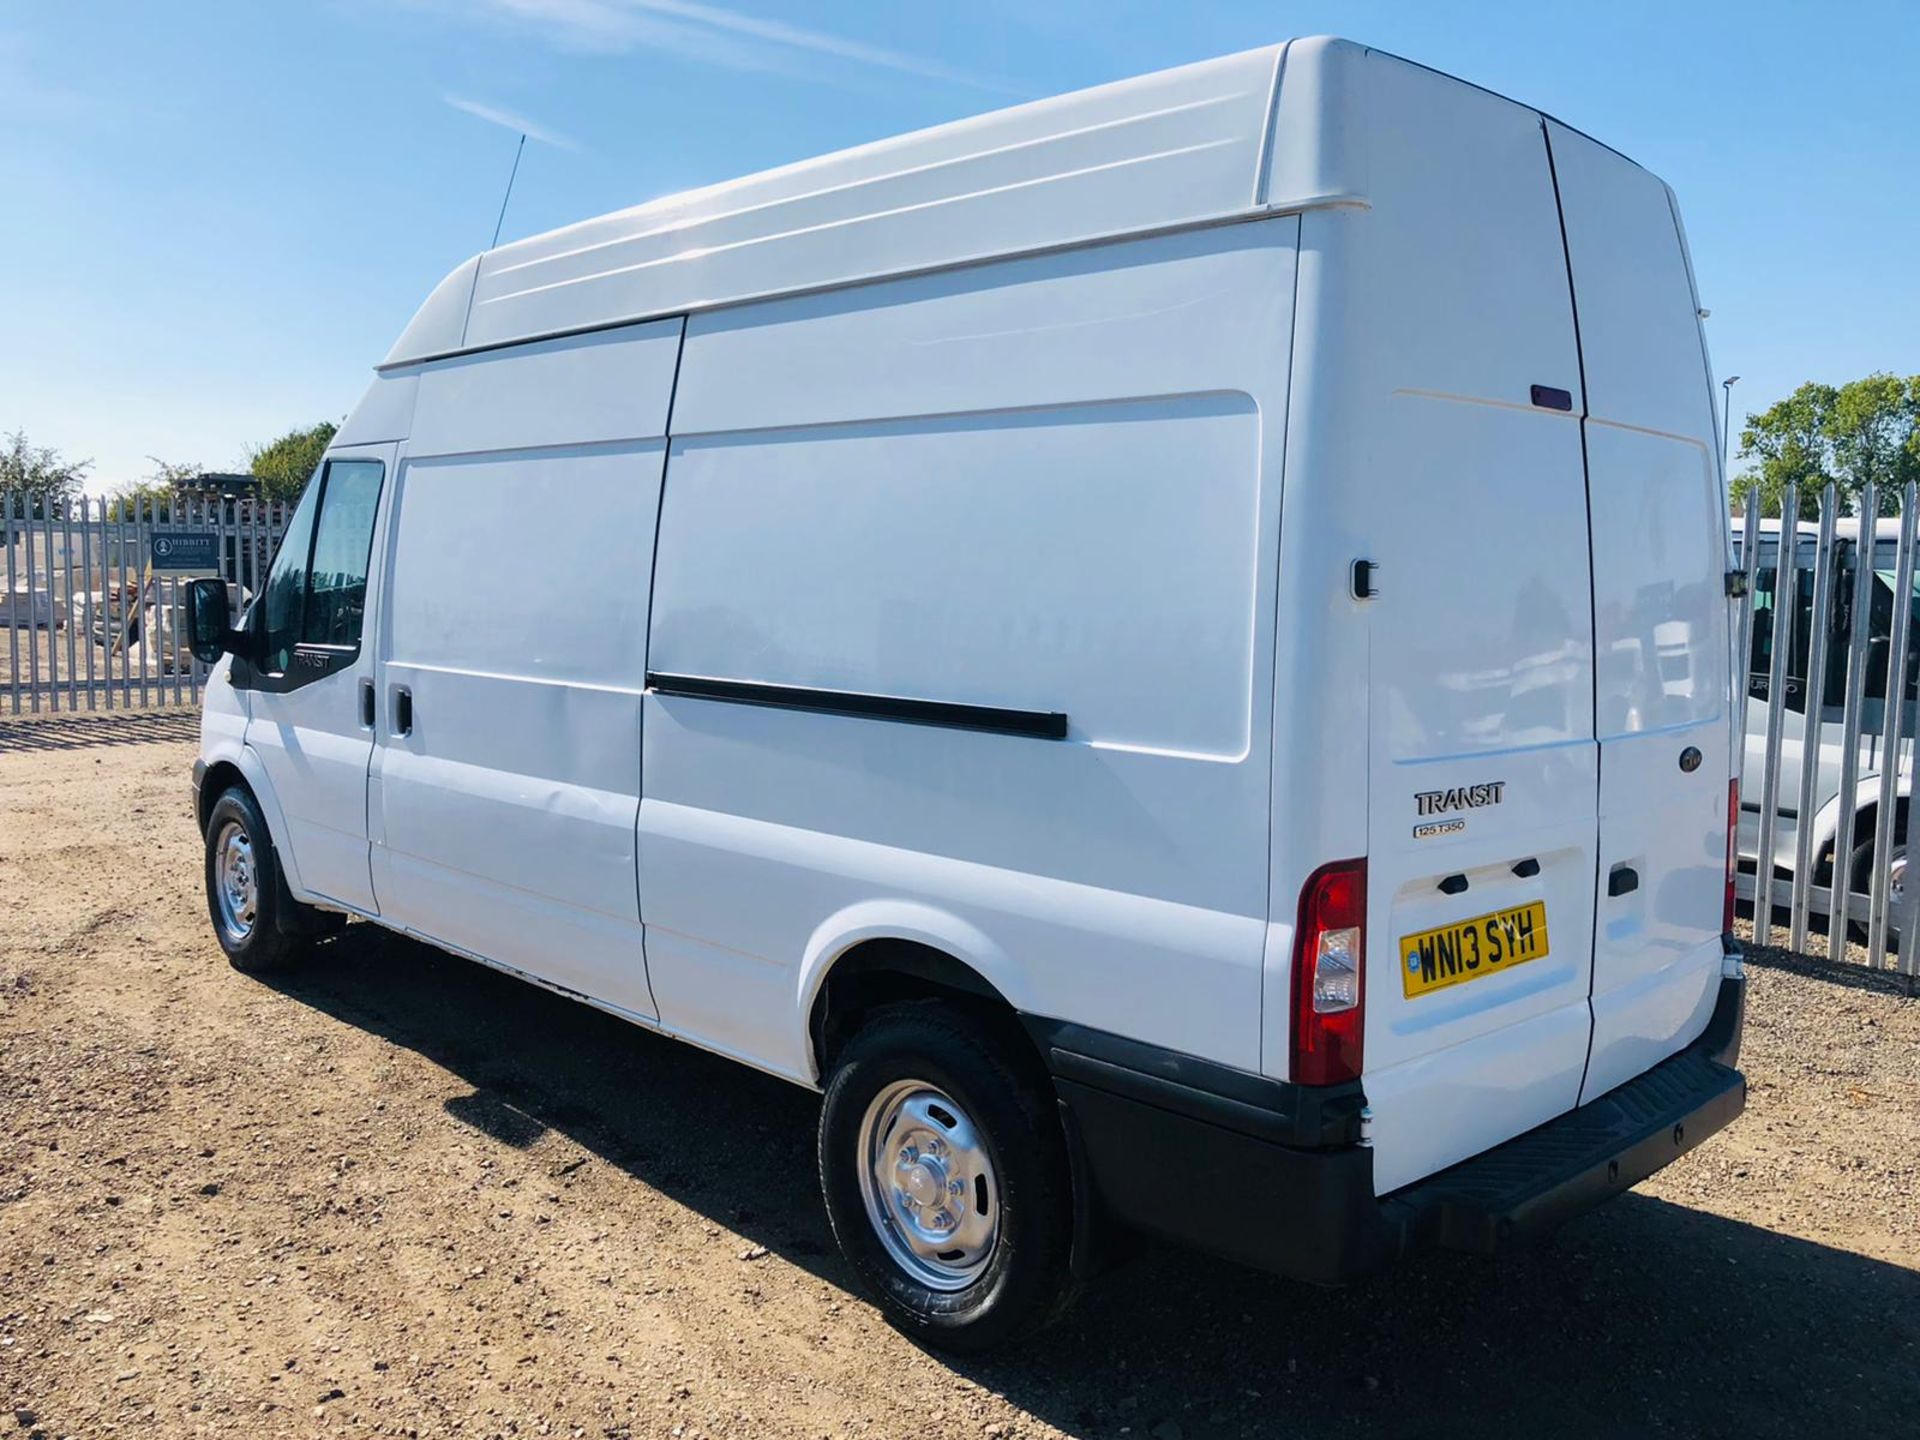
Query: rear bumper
pixel 1274 1176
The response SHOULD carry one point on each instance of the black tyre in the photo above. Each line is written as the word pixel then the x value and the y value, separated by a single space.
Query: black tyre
pixel 946 1177
pixel 244 893
pixel 1861 871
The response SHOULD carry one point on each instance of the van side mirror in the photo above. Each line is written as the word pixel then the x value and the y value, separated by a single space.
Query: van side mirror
pixel 210 632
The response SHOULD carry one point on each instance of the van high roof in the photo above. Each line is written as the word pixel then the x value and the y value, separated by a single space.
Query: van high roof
pixel 1280 129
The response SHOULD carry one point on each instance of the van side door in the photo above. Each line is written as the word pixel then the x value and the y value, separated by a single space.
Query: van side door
pixel 310 677
pixel 506 781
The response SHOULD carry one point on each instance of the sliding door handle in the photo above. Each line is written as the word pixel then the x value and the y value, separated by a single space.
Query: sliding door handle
pixel 402 710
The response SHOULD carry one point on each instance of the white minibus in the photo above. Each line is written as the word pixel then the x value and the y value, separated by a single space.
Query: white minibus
pixel 1167 649
pixel 1831 825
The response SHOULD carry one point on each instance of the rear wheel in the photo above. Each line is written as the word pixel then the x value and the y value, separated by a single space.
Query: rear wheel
pixel 244 893
pixel 1861 871
pixel 945 1175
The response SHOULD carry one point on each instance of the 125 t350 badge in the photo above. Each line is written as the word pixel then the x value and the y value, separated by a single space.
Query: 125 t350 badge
pixel 1459 797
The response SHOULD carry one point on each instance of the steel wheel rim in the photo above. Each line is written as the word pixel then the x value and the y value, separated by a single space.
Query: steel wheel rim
pixel 1897 880
pixel 236 881
pixel 928 1181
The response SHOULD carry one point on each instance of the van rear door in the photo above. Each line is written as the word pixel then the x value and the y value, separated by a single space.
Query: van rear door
pixel 1482 786
pixel 1660 612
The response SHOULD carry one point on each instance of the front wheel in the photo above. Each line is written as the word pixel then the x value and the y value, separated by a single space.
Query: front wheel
pixel 244 894
pixel 946 1180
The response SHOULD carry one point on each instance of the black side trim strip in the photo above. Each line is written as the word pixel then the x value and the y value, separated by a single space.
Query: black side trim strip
pixel 1301 1116
pixel 1038 724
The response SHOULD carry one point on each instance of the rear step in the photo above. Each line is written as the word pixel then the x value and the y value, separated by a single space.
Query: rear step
pixel 1536 1180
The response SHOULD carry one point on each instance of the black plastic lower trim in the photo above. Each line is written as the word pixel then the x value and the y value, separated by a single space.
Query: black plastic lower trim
pixel 1035 724
pixel 1536 1181
pixel 1194 1152
pixel 1310 1214
pixel 1302 1116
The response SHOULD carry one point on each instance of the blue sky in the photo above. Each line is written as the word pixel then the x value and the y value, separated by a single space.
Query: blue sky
pixel 215 215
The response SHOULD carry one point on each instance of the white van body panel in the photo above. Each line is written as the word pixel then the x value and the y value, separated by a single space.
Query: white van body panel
pixel 439 327
pixel 962 433
pixel 505 819
pixel 385 412
pixel 1082 412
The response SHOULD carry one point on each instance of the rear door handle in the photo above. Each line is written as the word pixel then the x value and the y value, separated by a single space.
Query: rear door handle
pixel 366 703
pixel 402 710
pixel 1622 880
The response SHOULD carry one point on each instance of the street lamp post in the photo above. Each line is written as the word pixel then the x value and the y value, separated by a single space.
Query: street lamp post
pixel 1726 417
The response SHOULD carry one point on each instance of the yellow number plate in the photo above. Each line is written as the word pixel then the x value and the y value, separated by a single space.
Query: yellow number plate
pixel 1469 949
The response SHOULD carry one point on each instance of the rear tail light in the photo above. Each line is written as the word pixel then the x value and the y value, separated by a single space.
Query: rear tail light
pixel 1733 853
pixel 1329 974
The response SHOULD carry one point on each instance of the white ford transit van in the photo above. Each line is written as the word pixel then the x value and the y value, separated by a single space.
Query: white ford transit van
pixel 1166 648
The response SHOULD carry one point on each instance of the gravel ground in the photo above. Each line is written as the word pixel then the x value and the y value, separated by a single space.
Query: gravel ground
pixel 401 1195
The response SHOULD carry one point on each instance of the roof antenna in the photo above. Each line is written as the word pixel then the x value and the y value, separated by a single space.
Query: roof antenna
pixel 511 176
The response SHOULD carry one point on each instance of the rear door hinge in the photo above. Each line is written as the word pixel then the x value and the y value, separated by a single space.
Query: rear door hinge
pixel 1736 583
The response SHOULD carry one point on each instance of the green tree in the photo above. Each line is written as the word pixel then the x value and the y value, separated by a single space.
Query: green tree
pixel 169 475
pixel 1874 428
pixel 285 465
pixel 154 496
pixel 1864 432
pixel 1788 439
pixel 1773 494
pixel 42 474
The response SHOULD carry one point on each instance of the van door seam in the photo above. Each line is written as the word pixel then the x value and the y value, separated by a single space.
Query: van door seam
pixel 1593 601
pixel 1273 662
pixel 646 657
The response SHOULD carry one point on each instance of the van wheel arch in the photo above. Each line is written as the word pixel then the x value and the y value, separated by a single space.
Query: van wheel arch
pixel 875 977
pixel 297 917
pixel 1859 865
pixel 880 972
pixel 221 776
pixel 1864 819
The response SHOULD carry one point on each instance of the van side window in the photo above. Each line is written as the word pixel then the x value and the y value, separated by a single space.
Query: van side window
pixel 286 589
pixel 1880 633
pixel 316 592
pixel 337 592
pixel 1760 662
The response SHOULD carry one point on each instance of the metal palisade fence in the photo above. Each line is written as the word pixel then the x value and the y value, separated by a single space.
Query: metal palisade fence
pixel 1827 646
pixel 92 593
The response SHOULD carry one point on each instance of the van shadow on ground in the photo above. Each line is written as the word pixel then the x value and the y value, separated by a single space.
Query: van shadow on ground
pixel 1643 1318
